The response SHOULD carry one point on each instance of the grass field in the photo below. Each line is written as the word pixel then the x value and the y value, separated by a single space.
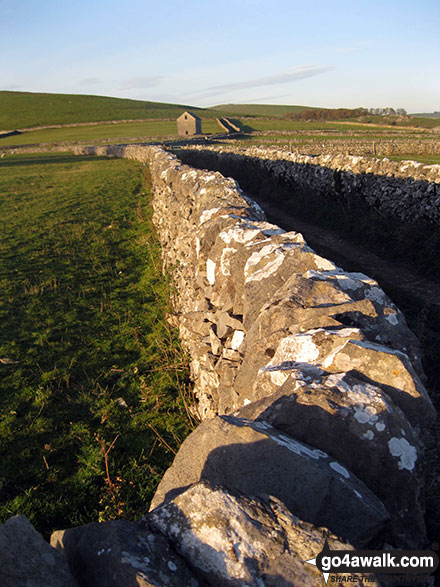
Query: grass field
pixel 258 109
pixel 26 109
pixel 416 121
pixel 128 131
pixel 92 378
pixel 262 124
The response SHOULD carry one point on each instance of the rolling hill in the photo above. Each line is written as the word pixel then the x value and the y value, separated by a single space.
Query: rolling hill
pixel 276 110
pixel 28 109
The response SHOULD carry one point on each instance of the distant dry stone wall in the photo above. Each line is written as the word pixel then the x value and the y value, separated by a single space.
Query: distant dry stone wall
pixel 311 392
pixel 405 190
pixel 355 146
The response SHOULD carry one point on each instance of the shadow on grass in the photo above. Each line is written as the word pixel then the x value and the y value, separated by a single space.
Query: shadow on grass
pixel 40 159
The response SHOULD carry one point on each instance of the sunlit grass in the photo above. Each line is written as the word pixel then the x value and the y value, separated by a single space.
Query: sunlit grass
pixel 128 131
pixel 92 389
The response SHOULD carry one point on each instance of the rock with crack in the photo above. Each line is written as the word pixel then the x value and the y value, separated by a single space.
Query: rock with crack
pixel 361 427
pixel 231 540
pixel 389 326
pixel 392 371
pixel 116 553
pixel 336 350
pixel 227 257
pixel 27 560
pixel 256 459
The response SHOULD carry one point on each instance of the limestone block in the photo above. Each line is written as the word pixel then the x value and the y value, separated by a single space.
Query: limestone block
pixel 391 370
pixel 112 554
pixel 231 539
pixel 360 426
pixel 389 327
pixel 256 459
pixel 27 560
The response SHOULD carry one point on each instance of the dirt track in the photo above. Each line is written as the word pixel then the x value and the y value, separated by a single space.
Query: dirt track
pixel 355 258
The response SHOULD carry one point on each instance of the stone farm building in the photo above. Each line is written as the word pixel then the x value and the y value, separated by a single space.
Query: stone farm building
pixel 189 124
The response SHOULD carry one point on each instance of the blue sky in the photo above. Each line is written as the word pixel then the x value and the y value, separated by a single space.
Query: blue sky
pixel 330 53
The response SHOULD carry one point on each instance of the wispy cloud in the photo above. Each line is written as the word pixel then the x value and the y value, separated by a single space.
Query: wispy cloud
pixel 293 74
pixel 141 82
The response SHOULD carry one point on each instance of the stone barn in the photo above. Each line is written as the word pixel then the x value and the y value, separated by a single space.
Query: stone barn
pixel 189 124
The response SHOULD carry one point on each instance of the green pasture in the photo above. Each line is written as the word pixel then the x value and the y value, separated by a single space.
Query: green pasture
pixel 417 121
pixel 262 124
pixel 93 400
pixel 128 131
pixel 27 109
pixel 258 109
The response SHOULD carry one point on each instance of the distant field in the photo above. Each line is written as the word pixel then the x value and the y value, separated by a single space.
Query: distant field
pixel 427 159
pixel 113 132
pixel 316 137
pixel 412 121
pixel 266 120
pixel 91 378
pixel 26 109
pixel 286 125
pixel 426 115
pixel 258 109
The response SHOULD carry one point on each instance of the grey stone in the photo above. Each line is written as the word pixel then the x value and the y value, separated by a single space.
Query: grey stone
pixel 27 560
pixel 391 370
pixel 121 553
pixel 358 425
pixel 256 459
pixel 232 540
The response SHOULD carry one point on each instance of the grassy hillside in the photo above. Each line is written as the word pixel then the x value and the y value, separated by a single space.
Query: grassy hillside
pixel 26 109
pixel 258 109
pixel 91 376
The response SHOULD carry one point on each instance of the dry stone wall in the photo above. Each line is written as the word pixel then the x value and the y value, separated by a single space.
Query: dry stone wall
pixel 404 191
pixel 310 388
pixel 424 145
pixel 284 342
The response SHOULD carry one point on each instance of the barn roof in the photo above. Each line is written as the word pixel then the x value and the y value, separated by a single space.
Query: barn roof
pixel 190 114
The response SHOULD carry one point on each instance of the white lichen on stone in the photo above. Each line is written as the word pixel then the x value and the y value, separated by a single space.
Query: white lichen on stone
pixel 208 178
pixel 269 268
pixel 237 339
pixel 339 469
pixel 210 271
pixel 225 260
pixel 208 214
pixel 290 443
pixel 298 348
pixel 136 562
pixel 369 435
pixel 392 319
pixel 270 265
pixel 366 414
pixel 404 451
pixel 238 234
